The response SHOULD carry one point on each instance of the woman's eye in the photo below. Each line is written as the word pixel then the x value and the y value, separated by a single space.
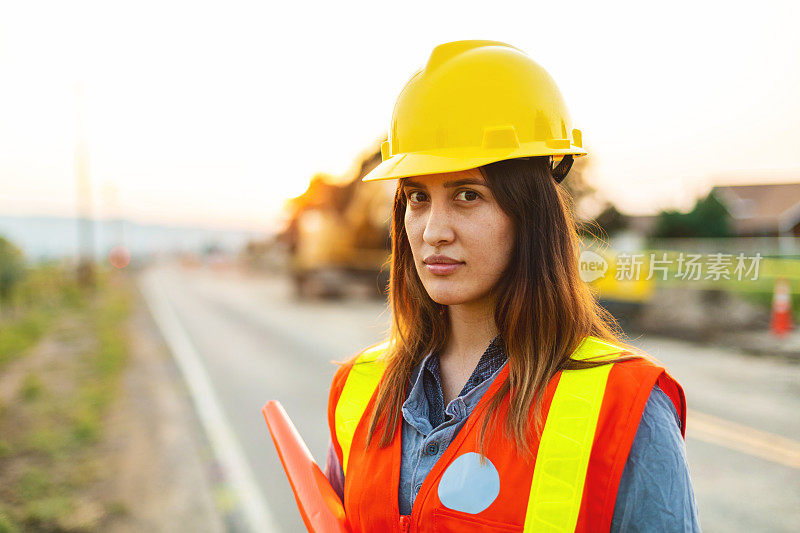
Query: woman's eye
pixel 417 196
pixel 468 196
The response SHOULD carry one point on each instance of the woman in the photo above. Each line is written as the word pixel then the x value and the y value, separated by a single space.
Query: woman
pixel 503 399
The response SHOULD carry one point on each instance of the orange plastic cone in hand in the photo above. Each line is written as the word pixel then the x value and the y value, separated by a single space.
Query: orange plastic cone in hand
pixel 781 322
pixel 319 505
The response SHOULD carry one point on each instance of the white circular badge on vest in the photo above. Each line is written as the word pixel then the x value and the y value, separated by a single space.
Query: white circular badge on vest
pixel 467 485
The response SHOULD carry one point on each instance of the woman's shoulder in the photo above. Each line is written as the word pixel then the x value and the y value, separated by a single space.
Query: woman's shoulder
pixel 593 346
pixel 365 367
pixel 637 363
pixel 371 356
pixel 646 385
pixel 660 410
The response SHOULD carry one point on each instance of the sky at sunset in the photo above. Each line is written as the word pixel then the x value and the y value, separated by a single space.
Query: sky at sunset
pixel 216 112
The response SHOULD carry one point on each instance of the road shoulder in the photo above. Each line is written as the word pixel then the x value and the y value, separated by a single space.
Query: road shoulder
pixel 165 468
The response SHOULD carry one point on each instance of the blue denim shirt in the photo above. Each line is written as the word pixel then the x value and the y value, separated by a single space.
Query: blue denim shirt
pixel 655 491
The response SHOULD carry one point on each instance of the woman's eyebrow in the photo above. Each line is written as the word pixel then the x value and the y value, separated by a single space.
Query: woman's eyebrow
pixel 465 181
pixel 409 183
pixel 448 184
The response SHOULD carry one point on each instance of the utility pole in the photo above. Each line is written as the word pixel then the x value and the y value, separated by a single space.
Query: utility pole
pixel 119 256
pixel 85 272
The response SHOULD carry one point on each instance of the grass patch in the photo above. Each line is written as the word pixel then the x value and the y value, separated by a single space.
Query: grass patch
pixel 6 525
pixel 52 429
pixel 44 293
pixel 5 448
pixel 85 426
pixel 45 514
pixel 19 334
pixel 45 441
pixel 34 484
pixel 31 388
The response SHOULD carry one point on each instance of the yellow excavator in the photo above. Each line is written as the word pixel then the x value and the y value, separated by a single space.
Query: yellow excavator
pixel 338 234
pixel 622 288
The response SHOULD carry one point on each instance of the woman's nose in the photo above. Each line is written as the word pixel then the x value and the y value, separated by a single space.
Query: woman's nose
pixel 438 227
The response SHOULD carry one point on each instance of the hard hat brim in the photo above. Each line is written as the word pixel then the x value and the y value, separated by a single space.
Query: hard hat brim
pixel 453 160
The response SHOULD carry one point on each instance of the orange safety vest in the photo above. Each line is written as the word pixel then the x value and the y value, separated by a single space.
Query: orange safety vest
pixel 591 419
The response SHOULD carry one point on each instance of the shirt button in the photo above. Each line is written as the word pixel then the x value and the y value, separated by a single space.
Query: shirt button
pixel 432 448
pixel 416 489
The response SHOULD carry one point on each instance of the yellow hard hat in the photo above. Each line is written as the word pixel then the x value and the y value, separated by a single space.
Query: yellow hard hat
pixel 474 103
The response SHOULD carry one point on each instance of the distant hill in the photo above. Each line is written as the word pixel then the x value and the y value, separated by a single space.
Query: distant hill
pixel 50 237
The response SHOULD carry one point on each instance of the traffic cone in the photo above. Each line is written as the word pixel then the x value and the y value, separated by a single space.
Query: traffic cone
pixel 781 322
pixel 319 504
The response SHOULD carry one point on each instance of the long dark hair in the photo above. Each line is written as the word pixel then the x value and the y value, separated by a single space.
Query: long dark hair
pixel 544 310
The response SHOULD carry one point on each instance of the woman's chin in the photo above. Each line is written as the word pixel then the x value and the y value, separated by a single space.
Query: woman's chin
pixel 448 295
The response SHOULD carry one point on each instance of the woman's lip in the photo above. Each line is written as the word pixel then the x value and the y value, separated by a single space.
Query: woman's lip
pixel 443 269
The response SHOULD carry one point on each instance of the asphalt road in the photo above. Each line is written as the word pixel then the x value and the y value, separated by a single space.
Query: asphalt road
pixel 253 341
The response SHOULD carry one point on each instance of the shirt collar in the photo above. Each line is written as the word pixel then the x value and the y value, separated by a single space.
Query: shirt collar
pixel 424 405
pixel 492 359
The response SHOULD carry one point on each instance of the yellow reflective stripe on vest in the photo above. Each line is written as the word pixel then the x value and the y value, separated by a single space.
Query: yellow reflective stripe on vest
pixel 560 470
pixel 361 383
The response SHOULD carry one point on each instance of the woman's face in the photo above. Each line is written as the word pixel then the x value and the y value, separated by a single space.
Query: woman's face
pixel 460 238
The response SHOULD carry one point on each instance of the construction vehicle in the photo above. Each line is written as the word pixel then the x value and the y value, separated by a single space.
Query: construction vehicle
pixel 624 295
pixel 338 234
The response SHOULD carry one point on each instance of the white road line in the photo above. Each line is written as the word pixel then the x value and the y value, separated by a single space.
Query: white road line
pixel 226 447
pixel 743 438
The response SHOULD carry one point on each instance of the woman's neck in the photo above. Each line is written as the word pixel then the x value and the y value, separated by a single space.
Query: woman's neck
pixel 472 329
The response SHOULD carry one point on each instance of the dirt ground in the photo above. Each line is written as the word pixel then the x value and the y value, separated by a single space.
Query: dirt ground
pixel 164 467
